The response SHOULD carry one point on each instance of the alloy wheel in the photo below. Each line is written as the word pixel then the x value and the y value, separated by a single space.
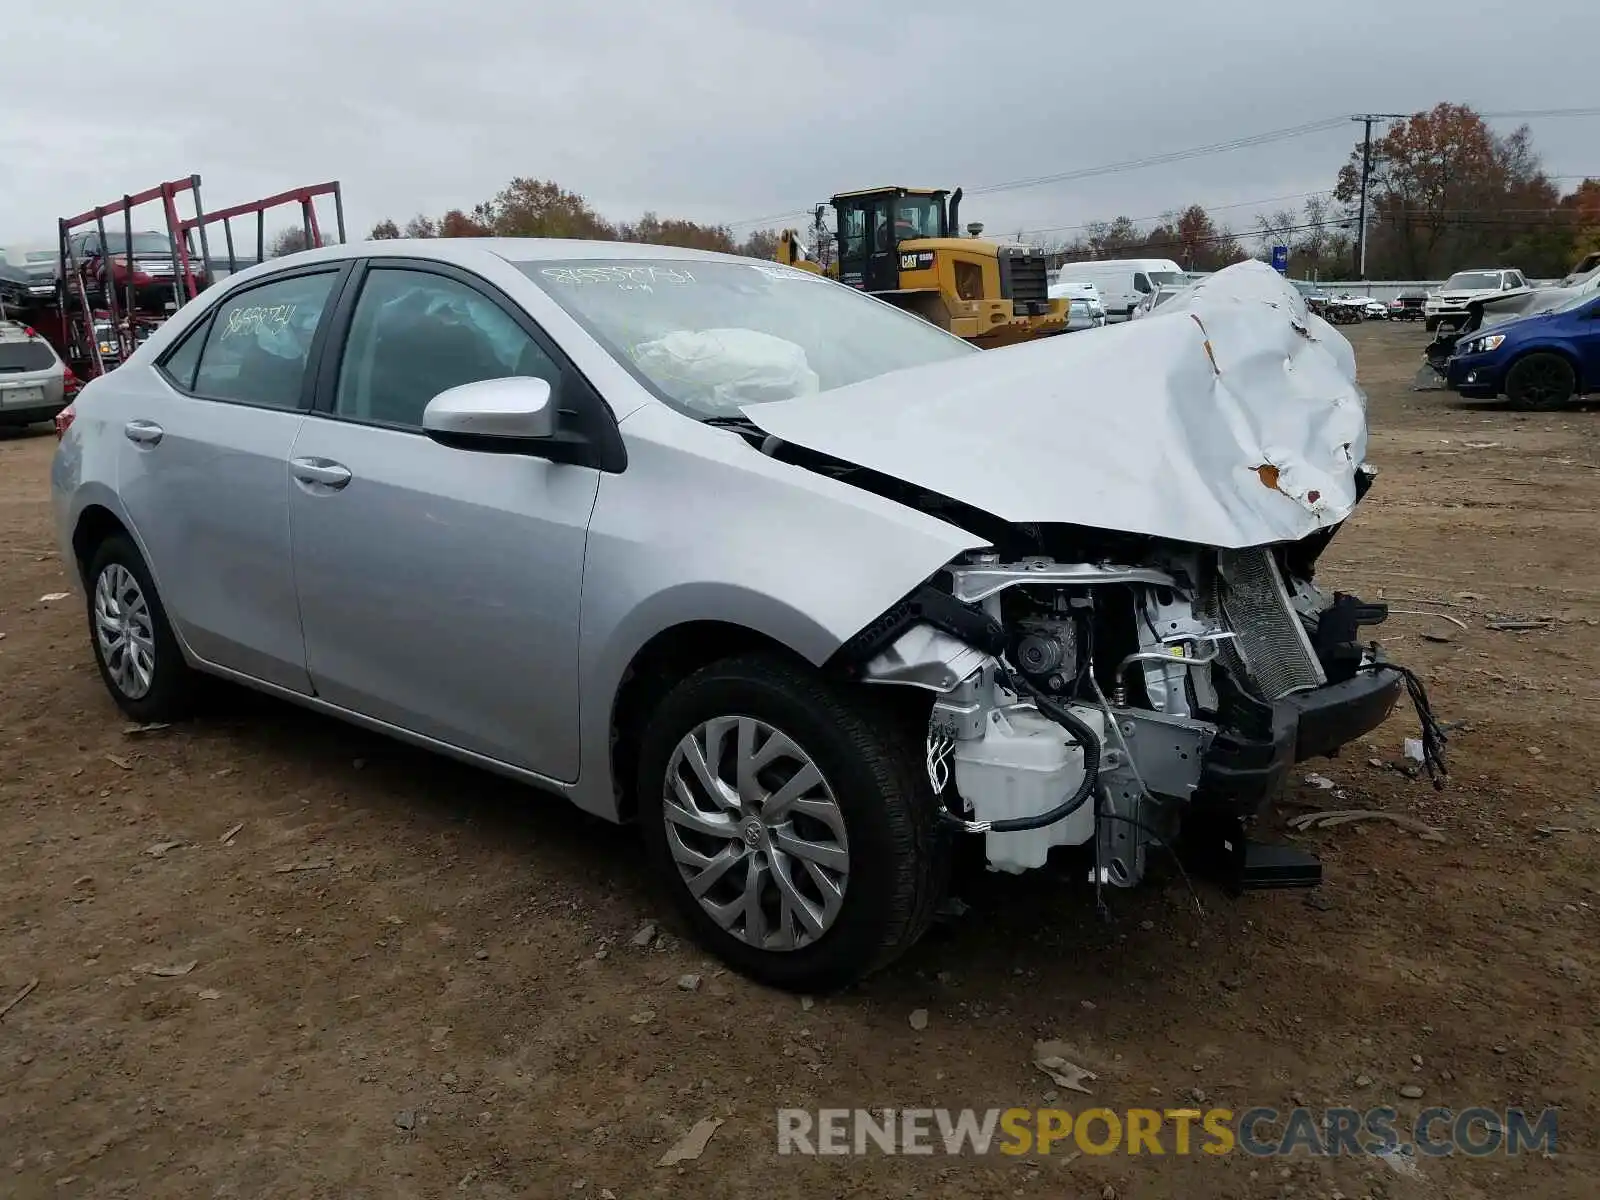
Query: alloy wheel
pixel 756 833
pixel 1543 383
pixel 124 631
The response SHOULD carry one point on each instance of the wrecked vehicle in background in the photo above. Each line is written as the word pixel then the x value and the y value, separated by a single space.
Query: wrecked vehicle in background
pixel 1447 307
pixel 1540 362
pixel 1510 306
pixel 803 585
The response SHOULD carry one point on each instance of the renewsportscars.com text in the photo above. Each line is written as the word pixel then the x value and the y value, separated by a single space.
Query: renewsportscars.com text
pixel 1259 1132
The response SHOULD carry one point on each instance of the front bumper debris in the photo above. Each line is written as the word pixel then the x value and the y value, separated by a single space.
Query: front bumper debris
pixel 1241 774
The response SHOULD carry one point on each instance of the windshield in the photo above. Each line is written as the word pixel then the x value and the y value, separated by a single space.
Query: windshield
pixel 918 217
pixel 1472 281
pixel 1160 277
pixel 143 243
pixel 40 256
pixel 709 336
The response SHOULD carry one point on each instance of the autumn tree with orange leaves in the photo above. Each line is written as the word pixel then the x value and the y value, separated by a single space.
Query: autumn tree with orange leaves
pixel 1447 193
pixel 1583 205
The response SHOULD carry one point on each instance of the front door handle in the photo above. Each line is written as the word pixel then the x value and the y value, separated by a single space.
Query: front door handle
pixel 145 433
pixel 321 471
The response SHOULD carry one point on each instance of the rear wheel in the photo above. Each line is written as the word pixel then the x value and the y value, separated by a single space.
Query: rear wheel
pixel 794 825
pixel 134 647
pixel 1541 382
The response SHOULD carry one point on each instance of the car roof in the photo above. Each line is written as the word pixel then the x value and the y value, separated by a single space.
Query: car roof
pixel 515 250
pixel 471 253
pixel 895 189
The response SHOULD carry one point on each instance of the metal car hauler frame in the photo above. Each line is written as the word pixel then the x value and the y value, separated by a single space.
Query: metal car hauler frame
pixel 77 317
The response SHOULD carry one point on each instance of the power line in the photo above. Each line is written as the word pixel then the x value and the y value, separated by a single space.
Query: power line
pixel 1531 113
pixel 1224 147
pixel 1161 216
pixel 1345 222
pixel 1258 139
pixel 1153 160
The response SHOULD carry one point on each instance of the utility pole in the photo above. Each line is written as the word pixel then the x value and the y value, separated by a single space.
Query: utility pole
pixel 1367 119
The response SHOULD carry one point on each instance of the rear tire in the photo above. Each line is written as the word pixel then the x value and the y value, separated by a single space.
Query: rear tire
pixel 1541 382
pixel 815 899
pixel 134 647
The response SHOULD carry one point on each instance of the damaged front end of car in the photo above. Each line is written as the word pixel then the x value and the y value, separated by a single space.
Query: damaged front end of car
pixel 1141 653
pixel 1125 706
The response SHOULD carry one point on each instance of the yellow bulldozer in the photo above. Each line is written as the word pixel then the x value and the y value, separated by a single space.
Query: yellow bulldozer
pixel 904 245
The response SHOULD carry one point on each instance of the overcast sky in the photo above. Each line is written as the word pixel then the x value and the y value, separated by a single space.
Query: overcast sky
pixel 720 110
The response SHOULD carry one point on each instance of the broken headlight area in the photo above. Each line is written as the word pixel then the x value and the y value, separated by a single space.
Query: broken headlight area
pixel 1122 707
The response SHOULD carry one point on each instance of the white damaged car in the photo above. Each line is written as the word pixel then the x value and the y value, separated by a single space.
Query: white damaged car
pixel 799 583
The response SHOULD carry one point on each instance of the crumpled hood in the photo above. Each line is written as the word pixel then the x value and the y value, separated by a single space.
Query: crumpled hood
pixel 1524 305
pixel 1230 417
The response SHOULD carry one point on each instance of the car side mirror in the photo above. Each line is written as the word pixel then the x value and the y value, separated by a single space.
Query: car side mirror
pixel 511 415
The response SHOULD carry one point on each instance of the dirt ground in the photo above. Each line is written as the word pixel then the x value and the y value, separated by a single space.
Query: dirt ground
pixel 412 979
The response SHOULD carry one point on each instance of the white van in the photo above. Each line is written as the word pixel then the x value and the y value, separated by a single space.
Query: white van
pixel 1123 282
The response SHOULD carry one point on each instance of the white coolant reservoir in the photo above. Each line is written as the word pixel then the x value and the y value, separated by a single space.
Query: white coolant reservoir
pixel 1023 765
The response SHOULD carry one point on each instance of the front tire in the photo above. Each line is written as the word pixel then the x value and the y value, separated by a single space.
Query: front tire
pixel 794 824
pixel 134 647
pixel 1541 382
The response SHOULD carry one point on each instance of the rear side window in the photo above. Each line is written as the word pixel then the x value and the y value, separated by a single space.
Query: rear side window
pixel 31 355
pixel 180 363
pixel 260 340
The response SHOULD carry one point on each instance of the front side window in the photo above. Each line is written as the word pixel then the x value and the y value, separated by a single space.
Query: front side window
pixel 919 217
pixel 1141 283
pixel 259 341
pixel 855 233
pixel 708 336
pixel 882 237
pixel 416 334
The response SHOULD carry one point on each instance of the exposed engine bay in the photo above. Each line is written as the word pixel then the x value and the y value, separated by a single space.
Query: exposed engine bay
pixel 1110 705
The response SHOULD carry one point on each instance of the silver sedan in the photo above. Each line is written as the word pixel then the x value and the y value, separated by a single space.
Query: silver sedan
pixel 716 545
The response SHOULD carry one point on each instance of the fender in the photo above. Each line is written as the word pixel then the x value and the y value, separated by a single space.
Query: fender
pixel 802 559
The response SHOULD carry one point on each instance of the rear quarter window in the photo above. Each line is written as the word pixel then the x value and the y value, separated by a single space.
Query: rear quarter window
pixel 31 355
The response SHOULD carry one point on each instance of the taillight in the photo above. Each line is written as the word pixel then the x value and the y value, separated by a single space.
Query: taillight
pixel 64 420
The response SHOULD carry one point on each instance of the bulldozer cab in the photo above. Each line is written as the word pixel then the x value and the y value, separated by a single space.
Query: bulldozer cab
pixel 873 224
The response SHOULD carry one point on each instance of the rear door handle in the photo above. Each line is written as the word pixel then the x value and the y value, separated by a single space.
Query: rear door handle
pixel 145 433
pixel 322 471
